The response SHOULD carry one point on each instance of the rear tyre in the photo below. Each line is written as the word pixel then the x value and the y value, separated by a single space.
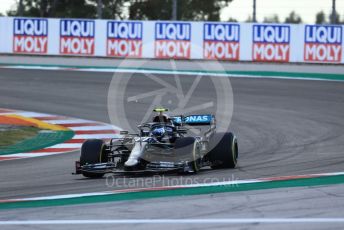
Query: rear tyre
pixel 186 149
pixel 223 151
pixel 93 152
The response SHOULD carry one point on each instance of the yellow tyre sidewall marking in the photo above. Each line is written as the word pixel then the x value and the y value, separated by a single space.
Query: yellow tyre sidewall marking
pixel 233 150
pixel 194 156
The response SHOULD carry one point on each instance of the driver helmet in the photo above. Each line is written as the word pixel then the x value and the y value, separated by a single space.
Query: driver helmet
pixel 159 132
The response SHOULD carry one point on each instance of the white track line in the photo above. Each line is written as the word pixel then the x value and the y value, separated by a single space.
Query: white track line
pixel 25 155
pixel 65 196
pixel 65 145
pixel 33 114
pixel 91 128
pixel 179 221
pixel 70 121
pixel 97 136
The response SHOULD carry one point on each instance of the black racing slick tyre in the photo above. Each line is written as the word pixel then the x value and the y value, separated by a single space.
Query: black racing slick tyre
pixel 92 152
pixel 223 151
pixel 186 148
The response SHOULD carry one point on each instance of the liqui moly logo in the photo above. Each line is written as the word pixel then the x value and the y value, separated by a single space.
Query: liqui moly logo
pixel 323 43
pixel 77 37
pixel 30 35
pixel 172 40
pixel 271 43
pixel 124 39
pixel 221 41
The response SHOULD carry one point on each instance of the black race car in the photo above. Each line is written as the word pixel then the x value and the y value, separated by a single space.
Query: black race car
pixel 181 144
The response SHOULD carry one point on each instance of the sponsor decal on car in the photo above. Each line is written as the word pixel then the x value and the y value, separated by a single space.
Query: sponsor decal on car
pixel 194 119
pixel 323 43
pixel 221 41
pixel 30 35
pixel 172 40
pixel 124 39
pixel 271 43
pixel 77 37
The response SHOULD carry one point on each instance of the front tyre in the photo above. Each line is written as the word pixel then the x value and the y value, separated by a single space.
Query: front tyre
pixel 223 151
pixel 186 148
pixel 93 152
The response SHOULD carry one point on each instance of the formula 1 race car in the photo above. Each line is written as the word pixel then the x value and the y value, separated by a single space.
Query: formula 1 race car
pixel 164 145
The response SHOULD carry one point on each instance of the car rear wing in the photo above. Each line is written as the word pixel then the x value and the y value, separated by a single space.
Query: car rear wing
pixel 194 120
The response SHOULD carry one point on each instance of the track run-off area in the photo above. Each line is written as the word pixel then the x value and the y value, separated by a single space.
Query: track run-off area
pixel 289 123
pixel 59 134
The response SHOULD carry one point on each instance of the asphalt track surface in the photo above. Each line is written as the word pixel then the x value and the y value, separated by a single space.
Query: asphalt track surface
pixel 284 127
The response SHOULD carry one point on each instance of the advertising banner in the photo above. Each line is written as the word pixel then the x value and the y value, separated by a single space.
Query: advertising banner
pixel 221 41
pixel 271 43
pixel 30 35
pixel 224 41
pixel 323 43
pixel 172 40
pixel 77 37
pixel 124 39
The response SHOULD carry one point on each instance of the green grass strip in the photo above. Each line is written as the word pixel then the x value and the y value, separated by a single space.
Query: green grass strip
pixel 40 141
pixel 324 180
pixel 11 134
pixel 272 74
